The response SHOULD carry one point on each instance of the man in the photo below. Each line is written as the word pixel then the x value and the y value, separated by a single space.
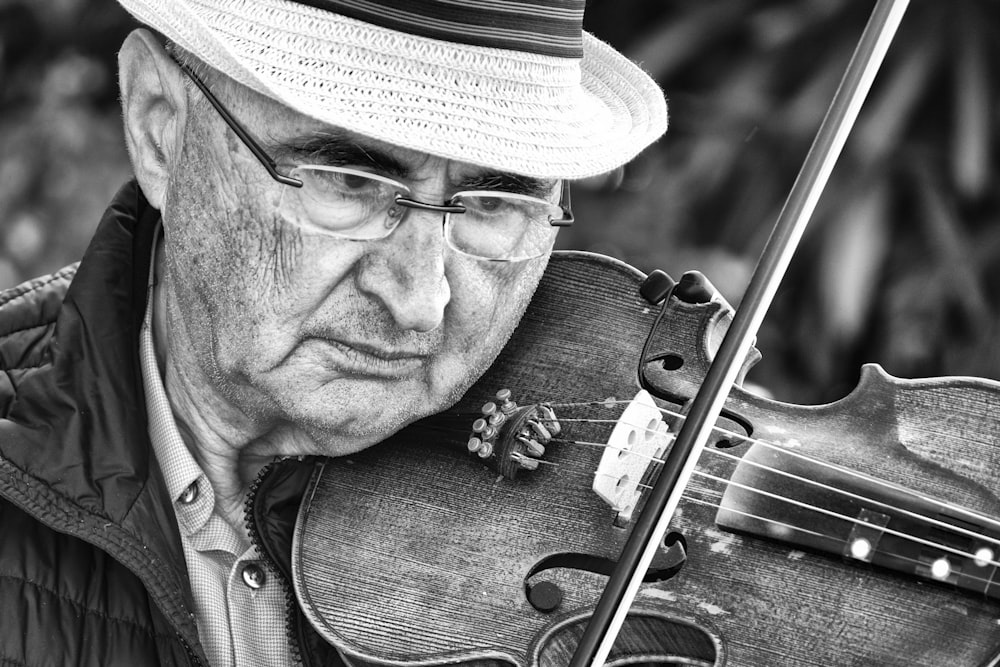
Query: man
pixel 276 283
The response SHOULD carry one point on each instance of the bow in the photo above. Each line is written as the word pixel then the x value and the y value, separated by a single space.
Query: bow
pixel 651 525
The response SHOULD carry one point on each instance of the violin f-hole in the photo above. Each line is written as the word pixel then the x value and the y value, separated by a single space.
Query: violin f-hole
pixel 545 595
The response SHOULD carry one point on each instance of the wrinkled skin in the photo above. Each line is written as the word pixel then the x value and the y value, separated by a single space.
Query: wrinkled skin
pixel 274 339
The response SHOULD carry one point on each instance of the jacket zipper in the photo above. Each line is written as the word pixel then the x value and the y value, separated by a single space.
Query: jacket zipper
pixel 192 656
pixel 291 605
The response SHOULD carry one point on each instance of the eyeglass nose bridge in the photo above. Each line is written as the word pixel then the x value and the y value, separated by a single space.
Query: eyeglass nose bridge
pixel 406 202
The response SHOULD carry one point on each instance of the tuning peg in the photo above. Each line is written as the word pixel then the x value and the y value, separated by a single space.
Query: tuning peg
pixel 656 287
pixel 506 404
pixel 484 428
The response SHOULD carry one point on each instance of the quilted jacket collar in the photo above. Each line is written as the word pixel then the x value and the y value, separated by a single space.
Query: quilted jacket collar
pixel 75 451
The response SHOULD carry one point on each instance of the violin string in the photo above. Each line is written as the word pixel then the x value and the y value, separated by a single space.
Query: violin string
pixel 986 582
pixel 808 459
pixel 816 508
pixel 847 471
pixel 807 481
pixel 832 466
pixel 948 505
pixel 815 483
pixel 602 403
pixel 562 420
pixel 843 517
pixel 604 445
pixel 979 558
pixel 865 499
pixel 900 510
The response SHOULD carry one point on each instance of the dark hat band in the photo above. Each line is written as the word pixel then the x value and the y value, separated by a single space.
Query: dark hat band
pixel 543 27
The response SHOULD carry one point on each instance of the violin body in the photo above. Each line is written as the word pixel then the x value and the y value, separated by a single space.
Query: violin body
pixel 415 553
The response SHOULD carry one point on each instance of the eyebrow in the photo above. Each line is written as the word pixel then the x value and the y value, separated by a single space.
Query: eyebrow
pixel 507 182
pixel 338 150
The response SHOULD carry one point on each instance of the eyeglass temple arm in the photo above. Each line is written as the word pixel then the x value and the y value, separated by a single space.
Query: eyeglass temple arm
pixel 567 206
pixel 243 135
pixel 564 202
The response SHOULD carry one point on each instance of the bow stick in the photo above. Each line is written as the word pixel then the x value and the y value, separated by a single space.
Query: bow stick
pixel 651 526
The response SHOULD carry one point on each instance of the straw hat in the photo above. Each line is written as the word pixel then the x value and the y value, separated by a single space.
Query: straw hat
pixel 515 85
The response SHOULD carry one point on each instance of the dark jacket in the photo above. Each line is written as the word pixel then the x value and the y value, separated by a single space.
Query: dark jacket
pixel 91 565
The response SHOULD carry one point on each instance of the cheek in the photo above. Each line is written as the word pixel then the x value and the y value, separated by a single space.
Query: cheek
pixel 243 280
pixel 488 301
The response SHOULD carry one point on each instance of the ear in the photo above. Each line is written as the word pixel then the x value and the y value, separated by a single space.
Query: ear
pixel 154 109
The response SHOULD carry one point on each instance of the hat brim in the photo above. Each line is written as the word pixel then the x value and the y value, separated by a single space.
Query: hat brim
pixel 530 114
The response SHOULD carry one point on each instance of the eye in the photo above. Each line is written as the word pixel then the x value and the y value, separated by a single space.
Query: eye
pixel 354 181
pixel 484 204
pixel 337 183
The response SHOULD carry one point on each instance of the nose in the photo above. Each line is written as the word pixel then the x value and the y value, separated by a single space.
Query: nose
pixel 406 272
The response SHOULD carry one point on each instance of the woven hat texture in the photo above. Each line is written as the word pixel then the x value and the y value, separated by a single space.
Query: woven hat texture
pixel 510 109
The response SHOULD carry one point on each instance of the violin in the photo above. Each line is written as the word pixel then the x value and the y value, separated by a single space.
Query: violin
pixel 862 532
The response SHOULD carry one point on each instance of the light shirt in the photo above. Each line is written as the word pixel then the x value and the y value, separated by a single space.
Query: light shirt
pixel 239 603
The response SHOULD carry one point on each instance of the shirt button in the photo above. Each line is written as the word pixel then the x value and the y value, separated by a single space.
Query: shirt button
pixel 253 576
pixel 190 494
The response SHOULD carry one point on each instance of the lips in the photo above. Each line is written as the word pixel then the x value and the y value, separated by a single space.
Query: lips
pixel 365 359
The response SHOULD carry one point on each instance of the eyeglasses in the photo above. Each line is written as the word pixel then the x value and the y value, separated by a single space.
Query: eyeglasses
pixel 362 206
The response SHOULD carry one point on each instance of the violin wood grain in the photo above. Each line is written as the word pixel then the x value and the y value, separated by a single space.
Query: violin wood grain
pixel 412 553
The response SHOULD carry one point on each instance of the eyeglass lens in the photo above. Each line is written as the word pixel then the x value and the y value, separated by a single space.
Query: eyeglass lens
pixel 359 205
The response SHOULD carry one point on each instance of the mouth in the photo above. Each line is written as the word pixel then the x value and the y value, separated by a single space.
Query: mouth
pixel 365 359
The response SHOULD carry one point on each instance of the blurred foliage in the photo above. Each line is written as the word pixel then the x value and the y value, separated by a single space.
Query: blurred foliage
pixel 900 264
pixel 62 152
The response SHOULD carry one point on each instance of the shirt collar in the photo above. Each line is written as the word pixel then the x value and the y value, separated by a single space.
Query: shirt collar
pixel 189 488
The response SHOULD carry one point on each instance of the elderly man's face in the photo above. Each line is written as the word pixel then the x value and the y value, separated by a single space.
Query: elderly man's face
pixel 348 340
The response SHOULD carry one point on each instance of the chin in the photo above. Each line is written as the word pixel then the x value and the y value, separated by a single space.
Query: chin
pixel 345 438
pixel 345 424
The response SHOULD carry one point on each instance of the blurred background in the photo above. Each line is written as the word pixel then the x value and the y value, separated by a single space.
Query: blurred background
pixel 901 264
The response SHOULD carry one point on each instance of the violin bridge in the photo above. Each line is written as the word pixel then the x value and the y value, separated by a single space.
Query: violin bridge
pixel 639 439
